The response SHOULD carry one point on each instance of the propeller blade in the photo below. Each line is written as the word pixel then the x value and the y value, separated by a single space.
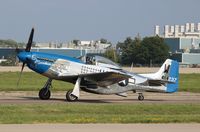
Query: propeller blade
pixel 30 41
pixel 20 74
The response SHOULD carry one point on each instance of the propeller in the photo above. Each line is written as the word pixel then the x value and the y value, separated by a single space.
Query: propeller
pixel 28 48
pixel 20 74
pixel 30 41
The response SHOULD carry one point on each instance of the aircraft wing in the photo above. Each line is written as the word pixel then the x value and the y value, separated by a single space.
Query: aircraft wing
pixel 102 79
pixel 106 78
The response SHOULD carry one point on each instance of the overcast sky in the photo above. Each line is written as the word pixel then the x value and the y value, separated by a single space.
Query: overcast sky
pixel 65 20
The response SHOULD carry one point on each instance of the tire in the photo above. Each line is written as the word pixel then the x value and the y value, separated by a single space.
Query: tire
pixel 140 97
pixel 71 97
pixel 44 94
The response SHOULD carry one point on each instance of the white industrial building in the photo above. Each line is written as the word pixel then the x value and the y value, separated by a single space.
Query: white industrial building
pixel 183 41
pixel 93 45
pixel 80 45
pixel 189 30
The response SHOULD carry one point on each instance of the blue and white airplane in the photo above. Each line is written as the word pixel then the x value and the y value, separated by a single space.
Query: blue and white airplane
pixel 97 75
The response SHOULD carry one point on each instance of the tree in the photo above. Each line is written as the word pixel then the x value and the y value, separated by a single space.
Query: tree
pixel 158 51
pixel 10 43
pixel 76 41
pixel 129 49
pixel 138 51
pixel 104 41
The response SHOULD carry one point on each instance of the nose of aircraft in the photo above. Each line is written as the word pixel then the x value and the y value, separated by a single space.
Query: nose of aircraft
pixel 23 56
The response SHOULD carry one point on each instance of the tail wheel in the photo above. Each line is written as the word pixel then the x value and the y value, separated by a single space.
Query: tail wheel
pixel 44 94
pixel 70 97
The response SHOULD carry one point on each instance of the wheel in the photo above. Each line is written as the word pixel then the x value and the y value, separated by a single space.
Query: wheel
pixel 44 94
pixel 141 97
pixel 70 97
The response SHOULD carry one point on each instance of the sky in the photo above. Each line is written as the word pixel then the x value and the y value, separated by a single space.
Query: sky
pixel 114 20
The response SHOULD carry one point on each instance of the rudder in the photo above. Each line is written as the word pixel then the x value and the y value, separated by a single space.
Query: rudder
pixel 173 76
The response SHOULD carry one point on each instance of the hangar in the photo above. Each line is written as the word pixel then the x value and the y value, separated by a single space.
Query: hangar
pixel 183 41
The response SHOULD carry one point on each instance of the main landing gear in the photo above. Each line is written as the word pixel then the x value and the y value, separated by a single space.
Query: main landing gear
pixel 140 97
pixel 45 93
pixel 70 97
pixel 73 95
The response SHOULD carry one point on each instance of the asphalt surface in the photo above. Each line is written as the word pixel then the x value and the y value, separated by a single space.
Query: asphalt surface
pixel 59 97
pixel 101 128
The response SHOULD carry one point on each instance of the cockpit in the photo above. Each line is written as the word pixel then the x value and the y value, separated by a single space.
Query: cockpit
pixel 101 61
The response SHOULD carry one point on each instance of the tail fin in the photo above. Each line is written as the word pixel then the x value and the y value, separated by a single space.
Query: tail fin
pixel 169 71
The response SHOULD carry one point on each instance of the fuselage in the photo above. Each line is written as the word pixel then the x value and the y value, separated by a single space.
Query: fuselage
pixel 57 66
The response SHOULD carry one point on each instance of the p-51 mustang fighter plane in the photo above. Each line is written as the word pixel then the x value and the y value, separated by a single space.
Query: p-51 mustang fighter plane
pixel 97 74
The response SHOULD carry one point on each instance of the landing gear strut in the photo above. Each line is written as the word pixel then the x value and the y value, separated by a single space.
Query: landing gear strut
pixel 140 96
pixel 45 93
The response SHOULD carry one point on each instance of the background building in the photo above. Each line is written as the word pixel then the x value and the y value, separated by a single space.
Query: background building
pixel 81 48
pixel 183 41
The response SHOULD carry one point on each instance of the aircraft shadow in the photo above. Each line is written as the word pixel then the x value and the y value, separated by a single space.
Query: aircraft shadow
pixel 37 99
pixel 97 100
pixel 64 100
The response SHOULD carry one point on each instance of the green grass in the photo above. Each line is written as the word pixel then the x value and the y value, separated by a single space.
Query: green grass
pixel 31 81
pixel 189 82
pixel 99 113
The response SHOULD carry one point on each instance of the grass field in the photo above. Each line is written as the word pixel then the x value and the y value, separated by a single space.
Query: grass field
pixel 31 81
pixel 99 113
pixel 189 82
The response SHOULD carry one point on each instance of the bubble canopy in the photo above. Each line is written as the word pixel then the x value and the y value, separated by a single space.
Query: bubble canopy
pixel 101 61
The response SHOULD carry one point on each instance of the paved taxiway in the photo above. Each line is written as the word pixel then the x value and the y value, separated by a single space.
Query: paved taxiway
pixel 101 128
pixel 59 97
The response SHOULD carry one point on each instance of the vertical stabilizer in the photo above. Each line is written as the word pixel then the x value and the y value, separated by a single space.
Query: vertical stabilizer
pixel 168 75
pixel 169 71
pixel 173 77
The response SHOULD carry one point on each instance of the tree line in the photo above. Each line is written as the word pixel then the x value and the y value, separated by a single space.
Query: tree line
pixel 138 51
pixel 9 43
